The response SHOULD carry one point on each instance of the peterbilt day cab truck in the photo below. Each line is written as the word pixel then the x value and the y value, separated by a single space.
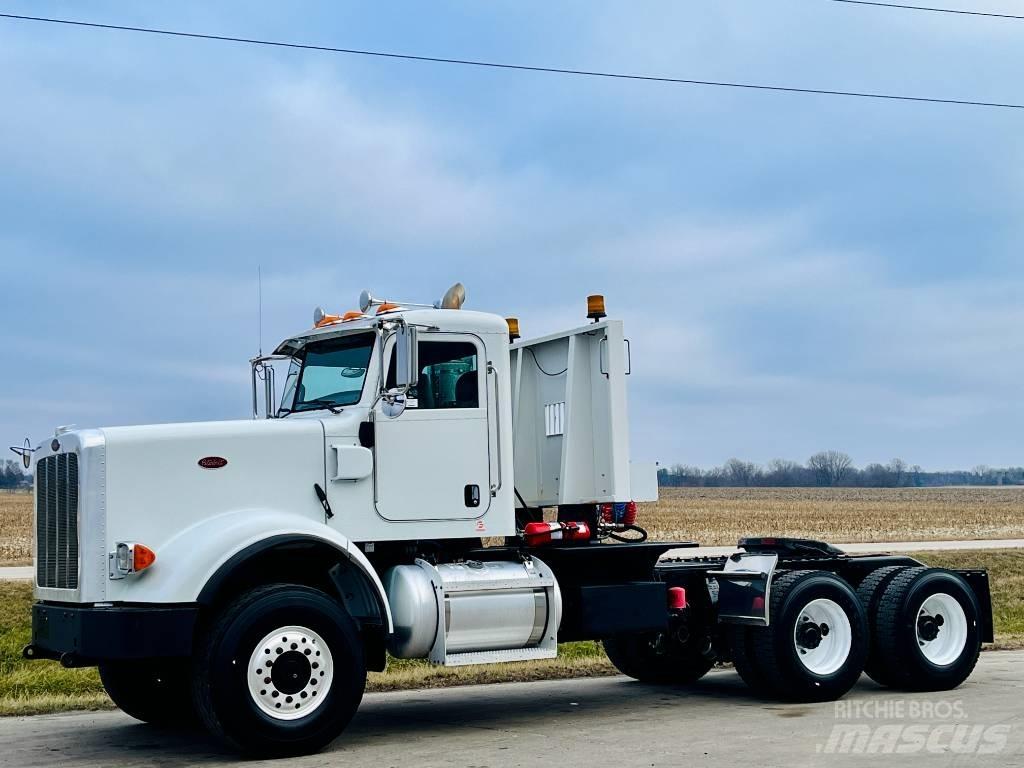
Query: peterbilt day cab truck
pixel 247 574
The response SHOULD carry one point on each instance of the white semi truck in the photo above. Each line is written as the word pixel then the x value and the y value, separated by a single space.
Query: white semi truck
pixel 247 574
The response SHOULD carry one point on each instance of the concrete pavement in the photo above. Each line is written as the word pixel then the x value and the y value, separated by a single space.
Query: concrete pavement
pixel 599 722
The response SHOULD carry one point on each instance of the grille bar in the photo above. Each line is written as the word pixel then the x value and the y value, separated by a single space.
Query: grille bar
pixel 57 521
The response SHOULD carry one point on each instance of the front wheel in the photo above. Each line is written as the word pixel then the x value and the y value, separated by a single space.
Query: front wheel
pixel 280 672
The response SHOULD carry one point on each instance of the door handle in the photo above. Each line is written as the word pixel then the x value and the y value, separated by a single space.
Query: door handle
pixel 322 495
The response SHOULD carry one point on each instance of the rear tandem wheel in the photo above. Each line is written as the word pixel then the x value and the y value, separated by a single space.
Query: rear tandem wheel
pixel 815 646
pixel 925 630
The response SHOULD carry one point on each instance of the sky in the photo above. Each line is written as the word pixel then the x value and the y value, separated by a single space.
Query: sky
pixel 795 272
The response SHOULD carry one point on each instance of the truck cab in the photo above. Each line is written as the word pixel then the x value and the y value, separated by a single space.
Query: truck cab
pixel 420 451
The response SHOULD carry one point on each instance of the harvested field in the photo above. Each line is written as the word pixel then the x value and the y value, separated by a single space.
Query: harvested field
pixel 715 516
pixel 15 528
pixel 719 516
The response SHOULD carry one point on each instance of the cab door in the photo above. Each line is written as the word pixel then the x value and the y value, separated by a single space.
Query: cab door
pixel 433 461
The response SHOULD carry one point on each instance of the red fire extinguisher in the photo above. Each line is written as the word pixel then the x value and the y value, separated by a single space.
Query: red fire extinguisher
pixel 539 534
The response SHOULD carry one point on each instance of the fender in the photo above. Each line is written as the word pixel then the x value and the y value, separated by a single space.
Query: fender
pixel 198 556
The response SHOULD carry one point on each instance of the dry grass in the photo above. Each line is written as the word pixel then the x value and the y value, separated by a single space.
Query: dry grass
pixel 585 659
pixel 15 528
pixel 1006 581
pixel 719 516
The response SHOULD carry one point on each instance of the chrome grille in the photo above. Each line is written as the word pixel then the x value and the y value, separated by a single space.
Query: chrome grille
pixel 57 521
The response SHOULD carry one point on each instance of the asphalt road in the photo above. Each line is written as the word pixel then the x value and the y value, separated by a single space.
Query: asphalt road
pixel 598 722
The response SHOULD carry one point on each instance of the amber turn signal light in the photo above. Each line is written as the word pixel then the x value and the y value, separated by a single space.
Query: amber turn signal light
pixel 130 557
pixel 143 557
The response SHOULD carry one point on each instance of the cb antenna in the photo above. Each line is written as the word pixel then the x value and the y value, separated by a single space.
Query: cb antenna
pixel 259 303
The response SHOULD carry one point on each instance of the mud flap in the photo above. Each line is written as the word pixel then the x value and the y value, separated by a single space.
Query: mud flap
pixel 744 588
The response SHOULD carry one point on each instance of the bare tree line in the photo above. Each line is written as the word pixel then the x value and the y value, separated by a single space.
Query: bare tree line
pixel 12 477
pixel 832 469
pixel 826 468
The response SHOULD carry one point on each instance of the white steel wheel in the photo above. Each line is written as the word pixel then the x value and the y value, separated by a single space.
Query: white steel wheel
pixel 941 629
pixel 290 673
pixel 823 637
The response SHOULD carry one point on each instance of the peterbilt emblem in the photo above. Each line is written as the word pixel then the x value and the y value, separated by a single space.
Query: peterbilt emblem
pixel 212 462
pixel 25 452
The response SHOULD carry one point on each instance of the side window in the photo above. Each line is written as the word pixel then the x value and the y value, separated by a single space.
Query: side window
pixel 448 375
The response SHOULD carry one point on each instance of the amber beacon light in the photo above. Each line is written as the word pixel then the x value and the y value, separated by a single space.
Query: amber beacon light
pixel 513 328
pixel 595 307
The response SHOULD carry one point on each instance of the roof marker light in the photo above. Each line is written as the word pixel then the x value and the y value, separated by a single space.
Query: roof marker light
pixel 321 318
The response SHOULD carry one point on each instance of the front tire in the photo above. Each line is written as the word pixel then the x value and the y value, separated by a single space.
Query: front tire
pixel 280 672
pixel 156 691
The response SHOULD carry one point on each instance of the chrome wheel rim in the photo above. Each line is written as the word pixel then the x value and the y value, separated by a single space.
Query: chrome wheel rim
pixel 290 673
pixel 823 636
pixel 941 629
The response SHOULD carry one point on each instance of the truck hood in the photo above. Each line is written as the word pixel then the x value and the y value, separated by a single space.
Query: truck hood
pixel 161 479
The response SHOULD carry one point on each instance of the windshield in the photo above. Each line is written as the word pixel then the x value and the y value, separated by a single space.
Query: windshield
pixel 328 374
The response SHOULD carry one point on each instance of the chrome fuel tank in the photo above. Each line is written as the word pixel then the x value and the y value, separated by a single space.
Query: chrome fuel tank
pixel 473 612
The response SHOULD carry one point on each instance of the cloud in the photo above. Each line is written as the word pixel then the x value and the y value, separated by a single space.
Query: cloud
pixel 792 271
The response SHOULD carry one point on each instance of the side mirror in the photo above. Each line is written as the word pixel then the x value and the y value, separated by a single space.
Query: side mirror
pixel 407 370
pixel 393 404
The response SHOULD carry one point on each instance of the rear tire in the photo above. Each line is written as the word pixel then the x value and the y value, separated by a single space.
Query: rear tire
pixel 815 646
pixel 659 659
pixel 156 691
pixel 280 672
pixel 870 593
pixel 744 658
pixel 927 630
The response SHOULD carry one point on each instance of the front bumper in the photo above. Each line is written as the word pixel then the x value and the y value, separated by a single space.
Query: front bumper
pixel 85 635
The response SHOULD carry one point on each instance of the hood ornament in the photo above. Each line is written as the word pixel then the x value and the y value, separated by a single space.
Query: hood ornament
pixel 25 452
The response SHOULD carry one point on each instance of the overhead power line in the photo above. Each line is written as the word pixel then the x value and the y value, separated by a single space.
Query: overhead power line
pixel 957 11
pixel 516 67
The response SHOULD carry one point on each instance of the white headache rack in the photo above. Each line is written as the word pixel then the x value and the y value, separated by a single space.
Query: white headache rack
pixel 571 430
